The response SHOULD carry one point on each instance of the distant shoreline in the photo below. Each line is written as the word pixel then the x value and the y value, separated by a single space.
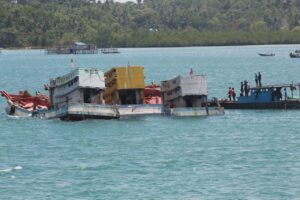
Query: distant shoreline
pixel 230 45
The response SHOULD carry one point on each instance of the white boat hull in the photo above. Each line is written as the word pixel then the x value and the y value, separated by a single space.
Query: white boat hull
pixel 190 112
pixel 140 110
pixel 67 112
pixel 15 110
pixel 96 111
pixel 89 111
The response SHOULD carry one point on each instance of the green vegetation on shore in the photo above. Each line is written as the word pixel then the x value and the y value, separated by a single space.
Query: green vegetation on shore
pixel 151 23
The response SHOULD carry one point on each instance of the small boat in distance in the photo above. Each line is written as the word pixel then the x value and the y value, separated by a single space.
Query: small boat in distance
pixel 266 54
pixel 295 54
pixel 109 50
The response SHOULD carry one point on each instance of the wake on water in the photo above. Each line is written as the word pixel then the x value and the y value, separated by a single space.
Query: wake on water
pixel 8 170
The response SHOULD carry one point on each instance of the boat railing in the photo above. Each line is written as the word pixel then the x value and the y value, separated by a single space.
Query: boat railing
pixel 89 105
pixel 139 106
pixel 195 108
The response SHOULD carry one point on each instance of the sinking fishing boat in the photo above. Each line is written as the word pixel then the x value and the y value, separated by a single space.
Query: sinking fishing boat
pixel 279 96
pixel 88 93
pixel 24 104
pixel 77 95
pixel 80 95
pixel 125 87
pixel 187 96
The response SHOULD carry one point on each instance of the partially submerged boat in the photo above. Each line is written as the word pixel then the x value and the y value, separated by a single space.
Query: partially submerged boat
pixel 77 95
pixel 187 96
pixel 125 87
pixel 24 104
pixel 280 96
pixel 81 92
pixel 88 93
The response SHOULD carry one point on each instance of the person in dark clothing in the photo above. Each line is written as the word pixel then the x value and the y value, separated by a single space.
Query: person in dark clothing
pixel 233 94
pixel 256 80
pixel 246 88
pixel 242 89
pixel 259 79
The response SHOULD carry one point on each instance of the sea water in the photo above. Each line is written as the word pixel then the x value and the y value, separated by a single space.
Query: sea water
pixel 245 154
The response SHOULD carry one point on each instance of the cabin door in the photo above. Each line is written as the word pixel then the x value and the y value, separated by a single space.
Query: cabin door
pixel 189 101
pixel 87 96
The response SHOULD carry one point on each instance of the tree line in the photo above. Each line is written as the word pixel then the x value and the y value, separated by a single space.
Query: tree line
pixel 148 23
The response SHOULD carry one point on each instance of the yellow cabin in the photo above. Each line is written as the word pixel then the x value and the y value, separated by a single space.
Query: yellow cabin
pixel 124 85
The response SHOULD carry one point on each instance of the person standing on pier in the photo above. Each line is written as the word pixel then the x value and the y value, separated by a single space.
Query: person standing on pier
pixel 259 79
pixel 256 80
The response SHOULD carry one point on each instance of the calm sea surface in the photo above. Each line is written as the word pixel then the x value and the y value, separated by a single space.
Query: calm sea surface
pixel 241 155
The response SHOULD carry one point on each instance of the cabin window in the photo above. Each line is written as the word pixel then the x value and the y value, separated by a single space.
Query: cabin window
pixel 177 89
pixel 87 97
